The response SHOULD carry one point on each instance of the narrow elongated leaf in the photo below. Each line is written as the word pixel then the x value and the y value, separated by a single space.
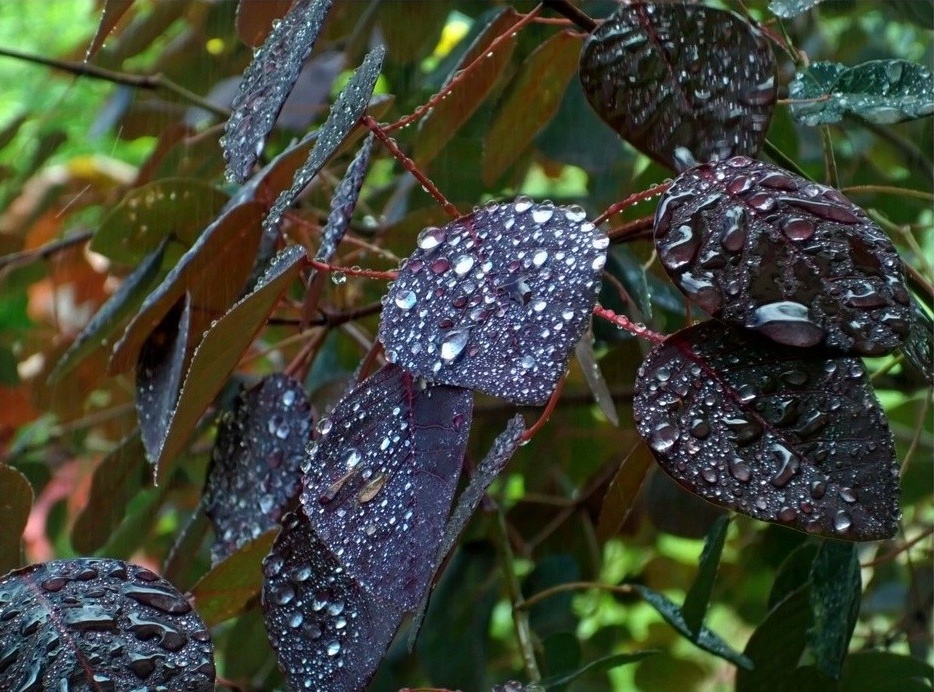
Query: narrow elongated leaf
pixel 255 467
pixel 15 502
pixel 111 14
pixel 793 573
pixel 671 76
pixel 874 670
pixel 99 624
pixel 698 596
pixel 496 299
pixel 344 202
pixel 757 247
pixel 835 594
pixel 782 435
pixel 625 486
pixel 255 18
pixel 601 664
pixel 381 479
pixel 267 82
pixel 594 377
pixel 880 91
pixel 776 646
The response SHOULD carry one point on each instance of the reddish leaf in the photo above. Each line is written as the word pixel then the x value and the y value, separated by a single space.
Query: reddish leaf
pixel 111 14
pixel 15 502
pixel 622 491
pixel 99 624
pixel 668 76
pixel 782 435
pixel 497 299
pixel 255 18
pixel 758 247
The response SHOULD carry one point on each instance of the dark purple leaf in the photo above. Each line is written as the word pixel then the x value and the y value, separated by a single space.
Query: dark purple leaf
pixel 381 478
pixel 255 466
pixel 344 202
pixel 329 632
pixel 919 347
pixel 267 82
pixel 670 76
pixel 496 300
pixel 99 624
pixel 758 247
pixel 779 434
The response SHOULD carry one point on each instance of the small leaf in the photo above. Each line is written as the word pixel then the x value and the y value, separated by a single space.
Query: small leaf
pixel 496 299
pixel 100 624
pixel 671 76
pixel 835 595
pixel 594 377
pixel 779 434
pixel 758 247
pixel 776 646
pixel 111 14
pixel 15 503
pixel 255 467
pixel 596 666
pixel 623 490
pixel 344 202
pixel 880 91
pixel 698 596
pixel 267 82
pixel 791 8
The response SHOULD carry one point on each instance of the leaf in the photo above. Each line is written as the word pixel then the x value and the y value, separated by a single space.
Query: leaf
pixel 791 8
pixel 267 82
pixel 496 299
pixel 382 476
pixel 446 118
pixel 233 582
pixel 919 346
pixel 776 646
pixel 596 666
pixel 793 573
pixel 256 464
pixel 782 435
pixel 329 632
pixel 594 377
pixel 111 14
pixel 673 76
pixel 695 603
pixel 99 624
pixel 344 202
pixel 531 100
pixel 880 91
pixel 876 671
pixel 16 498
pixel 758 247
pixel 835 595
pixel 255 17
pixel 622 491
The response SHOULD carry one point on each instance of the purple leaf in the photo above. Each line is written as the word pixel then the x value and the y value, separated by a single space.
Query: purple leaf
pixel 496 300
pixel 255 466
pixel 668 76
pixel 779 434
pixel 382 476
pixel 344 202
pixel 99 624
pixel 758 247
pixel 329 632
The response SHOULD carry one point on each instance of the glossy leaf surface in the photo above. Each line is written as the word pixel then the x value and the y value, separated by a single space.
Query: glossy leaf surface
pixel 791 8
pixel 919 347
pixel 496 300
pixel 698 596
pixel 668 76
pixel 382 476
pixel 778 434
pixel 344 202
pixel 256 464
pixel 99 624
pixel 758 247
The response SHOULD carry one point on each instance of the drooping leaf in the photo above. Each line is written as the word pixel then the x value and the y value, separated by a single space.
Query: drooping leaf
pixel 112 12
pixel 621 494
pixel 834 598
pixel 496 299
pixel 761 248
pixel 267 82
pixel 328 630
pixel 695 602
pixel 880 91
pixel 256 464
pixel 382 476
pixel 670 76
pixel 594 377
pixel 791 8
pixel 600 664
pixel 15 503
pixel 776 646
pixel 344 202
pixel 779 434
pixel 99 624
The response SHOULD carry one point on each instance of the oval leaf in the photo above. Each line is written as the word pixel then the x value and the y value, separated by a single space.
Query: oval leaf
pixel 758 247
pixel 778 434
pixel 497 299
pixel 668 76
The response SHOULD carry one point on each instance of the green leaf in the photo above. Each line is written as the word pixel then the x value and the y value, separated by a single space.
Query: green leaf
pixel 881 91
pixel 835 594
pixel 793 573
pixel 791 8
pixel 15 502
pixel 776 646
pixel 698 596
pixel 555 614
pixel 623 490
pixel 883 671
pixel 601 664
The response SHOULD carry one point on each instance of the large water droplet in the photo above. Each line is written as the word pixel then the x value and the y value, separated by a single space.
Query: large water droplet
pixel 453 344
pixel 788 323
pixel 430 238
pixel 463 264
pixel 663 437
pixel 405 300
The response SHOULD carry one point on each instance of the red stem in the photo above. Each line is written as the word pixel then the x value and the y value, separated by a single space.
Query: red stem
pixel 353 271
pixel 624 322
pixel 546 414
pixel 634 198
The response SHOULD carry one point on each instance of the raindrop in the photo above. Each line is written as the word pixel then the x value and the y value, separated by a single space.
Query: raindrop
pixel 540 257
pixel 333 648
pixel 788 465
pixel 338 278
pixel 463 264
pixel 324 426
pixel 798 229
pixel 842 521
pixel 453 344
pixel 663 437
pixel 527 362
pixel 430 238
pixel 542 214
pixel 522 204
pixel 787 322
pixel 405 300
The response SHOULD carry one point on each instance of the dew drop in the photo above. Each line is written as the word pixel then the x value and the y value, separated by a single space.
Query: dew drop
pixel 541 214
pixel 405 300
pixel 540 257
pixel 663 437
pixel 324 426
pixel 463 264
pixel 842 521
pixel 798 229
pixel 453 344
pixel 333 648
pixel 575 213
pixel 430 238
pixel 522 204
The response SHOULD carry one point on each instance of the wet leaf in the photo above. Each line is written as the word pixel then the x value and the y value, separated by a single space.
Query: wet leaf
pixel 698 596
pixel 758 247
pixel 791 8
pixel 594 377
pixel 919 347
pixel 380 480
pixel 599 665
pixel 496 299
pixel 531 101
pixel 779 434
pixel 255 467
pixel 622 492
pixel 15 502
pixel 329 632
pixel 671 76
pixel 267 82
pixel 835 595
pixel 344 202
pixel 112 12
pixel 776 646
pixel 880 91
pixel 99 624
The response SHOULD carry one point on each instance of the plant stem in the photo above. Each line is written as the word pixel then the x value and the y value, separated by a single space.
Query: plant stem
pixel 574 586
pixel 888 190
pixel 781 158
pixel 634 198
pixel 575 14
pixel 353 271
pixel 830 162
pixel 16 259
pixel 623 322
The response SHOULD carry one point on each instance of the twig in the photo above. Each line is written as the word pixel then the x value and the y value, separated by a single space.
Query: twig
pixel 17 259
pixel 632 230
pixel 634 198
pixel 574 586
pixel 575 14
pixel 624 322
pixel 888 190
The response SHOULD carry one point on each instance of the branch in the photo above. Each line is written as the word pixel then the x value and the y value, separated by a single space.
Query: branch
pixel 575 14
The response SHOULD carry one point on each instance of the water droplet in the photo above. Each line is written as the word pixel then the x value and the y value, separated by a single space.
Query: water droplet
pixel 540 257
pixel 405 300
pixel 430 238
pixel 324 426
pixel 352 458
pixel 296 620
pixel 440 265
pixel 598 262
pixel 600 242
pixel 463 264
pixel 333 648
pixel 798 229
pixel 288 398
pixel 842 521
pixel 575 213
pixel 522 204
pixel 338 278
pixel 788 323
pixel 848 495
pixel 740 470
pixel 788 465
pixel 453 344
pixel 743 431
pixel 541 214
pixel 663 437
pixel 527 362
pixel 283 594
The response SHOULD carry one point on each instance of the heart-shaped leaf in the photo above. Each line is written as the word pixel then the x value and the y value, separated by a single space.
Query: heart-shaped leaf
pixel 496 300
pixel 881 91
pixel 99 624
pixel 255 466
pixel 668 76
pixel 344 202
pixel 758 247
pixel 779 434
pixel 381 478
